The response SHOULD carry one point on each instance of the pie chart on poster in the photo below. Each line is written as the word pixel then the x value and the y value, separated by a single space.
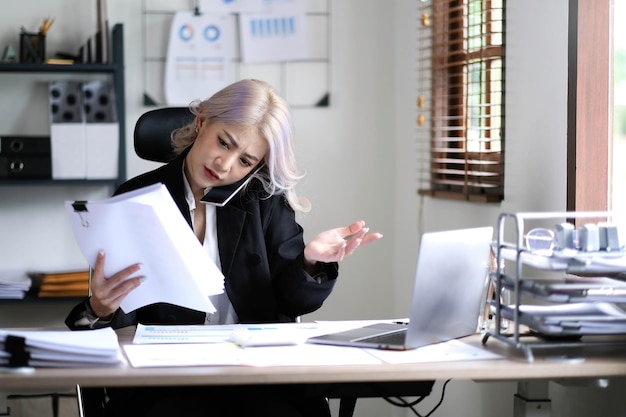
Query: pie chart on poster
pixel 199 58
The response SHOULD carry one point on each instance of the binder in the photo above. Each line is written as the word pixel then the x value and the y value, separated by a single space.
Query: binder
pixel 61 283
pixel 145 226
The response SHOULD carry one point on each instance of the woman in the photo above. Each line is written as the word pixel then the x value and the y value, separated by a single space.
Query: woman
pixel 270 274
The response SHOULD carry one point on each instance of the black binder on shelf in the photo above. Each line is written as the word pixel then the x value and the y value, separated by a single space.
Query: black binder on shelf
pixel 25 157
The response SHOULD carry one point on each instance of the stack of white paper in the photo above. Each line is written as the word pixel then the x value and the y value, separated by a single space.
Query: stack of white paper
pixel 572 261
pixel 571 289
pixel 14 284
pixel 145 226
pixel 571 319
pixel 59 348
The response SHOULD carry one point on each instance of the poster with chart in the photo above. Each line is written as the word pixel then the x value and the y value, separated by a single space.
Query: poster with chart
pixel 199 57
pixel 278 33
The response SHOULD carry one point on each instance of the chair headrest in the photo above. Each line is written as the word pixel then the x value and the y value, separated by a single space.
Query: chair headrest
pixel 153 130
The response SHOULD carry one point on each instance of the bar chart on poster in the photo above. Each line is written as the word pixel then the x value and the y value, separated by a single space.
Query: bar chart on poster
pixel 192 49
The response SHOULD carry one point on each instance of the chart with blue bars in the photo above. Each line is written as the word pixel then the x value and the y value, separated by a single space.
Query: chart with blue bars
pixel 279 26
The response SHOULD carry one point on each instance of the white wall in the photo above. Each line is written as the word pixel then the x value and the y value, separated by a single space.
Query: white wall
pixel 346 149
pixel 359 154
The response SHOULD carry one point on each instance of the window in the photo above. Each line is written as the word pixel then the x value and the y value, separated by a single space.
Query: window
pixel 460 101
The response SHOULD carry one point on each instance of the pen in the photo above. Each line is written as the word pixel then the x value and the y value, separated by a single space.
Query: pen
pixel 46 25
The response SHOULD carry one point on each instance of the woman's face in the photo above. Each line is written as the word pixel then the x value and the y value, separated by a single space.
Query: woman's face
pixel 222 154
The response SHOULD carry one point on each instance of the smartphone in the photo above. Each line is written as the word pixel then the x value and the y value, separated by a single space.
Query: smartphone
pixel 220 196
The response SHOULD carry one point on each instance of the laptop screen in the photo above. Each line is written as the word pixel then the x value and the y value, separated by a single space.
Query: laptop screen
pixel 447 297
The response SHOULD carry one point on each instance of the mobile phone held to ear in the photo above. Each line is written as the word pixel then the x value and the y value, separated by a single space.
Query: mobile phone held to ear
pixel 220 196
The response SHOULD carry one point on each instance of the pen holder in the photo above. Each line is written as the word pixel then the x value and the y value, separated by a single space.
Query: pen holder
pixel 32 48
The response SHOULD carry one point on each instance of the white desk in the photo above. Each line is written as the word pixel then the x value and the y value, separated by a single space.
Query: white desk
pixel 597 365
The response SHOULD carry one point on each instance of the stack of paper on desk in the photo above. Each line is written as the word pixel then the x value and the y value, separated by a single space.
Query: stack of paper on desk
pixel 571 319
pixel 572 289
pixel 59 348
pixel 145 226
pixel 573 261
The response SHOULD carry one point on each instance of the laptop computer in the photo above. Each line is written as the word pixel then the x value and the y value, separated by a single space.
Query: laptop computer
pixel 447 295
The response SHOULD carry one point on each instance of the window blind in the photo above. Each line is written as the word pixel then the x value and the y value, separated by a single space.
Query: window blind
pixel 460 102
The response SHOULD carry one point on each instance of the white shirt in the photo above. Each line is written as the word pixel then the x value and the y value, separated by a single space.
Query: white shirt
pixel 225 313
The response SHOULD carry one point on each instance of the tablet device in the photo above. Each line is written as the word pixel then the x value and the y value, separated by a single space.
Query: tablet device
pixel 220 196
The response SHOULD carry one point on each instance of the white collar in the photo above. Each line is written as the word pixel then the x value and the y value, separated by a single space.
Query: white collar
pixel 191 201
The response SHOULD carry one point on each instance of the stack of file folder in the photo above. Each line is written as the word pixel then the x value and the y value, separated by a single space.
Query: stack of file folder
pixel 575 319
pixel 572 261
pixel 574 305
pixel 14 284
pixel 59 348
pixel 571 289
pixel 62 283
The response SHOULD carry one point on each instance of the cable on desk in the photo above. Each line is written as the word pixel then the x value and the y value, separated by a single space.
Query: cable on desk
pixel 401 402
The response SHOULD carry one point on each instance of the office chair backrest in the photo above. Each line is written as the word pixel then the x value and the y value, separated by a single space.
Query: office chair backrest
pixel 152 136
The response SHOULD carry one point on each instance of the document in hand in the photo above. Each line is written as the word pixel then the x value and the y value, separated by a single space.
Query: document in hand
pixel 59 348
pixel 145 226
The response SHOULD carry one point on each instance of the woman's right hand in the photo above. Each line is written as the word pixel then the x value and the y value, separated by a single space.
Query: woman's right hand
pixel 107 293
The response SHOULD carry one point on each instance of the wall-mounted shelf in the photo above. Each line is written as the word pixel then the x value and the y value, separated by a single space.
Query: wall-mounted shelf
pixel 58 68
pixel 114 69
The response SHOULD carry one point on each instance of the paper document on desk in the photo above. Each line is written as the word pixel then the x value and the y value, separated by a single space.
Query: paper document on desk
pixel 208 354
pixel 247 335
pixel 193 333
pixel 145 226
pixel 450 351
pixel 59 348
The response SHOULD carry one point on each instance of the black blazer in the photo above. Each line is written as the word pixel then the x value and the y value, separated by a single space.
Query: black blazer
pixel 261 250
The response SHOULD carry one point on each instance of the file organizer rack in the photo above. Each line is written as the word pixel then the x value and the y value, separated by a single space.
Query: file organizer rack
pixel 515 251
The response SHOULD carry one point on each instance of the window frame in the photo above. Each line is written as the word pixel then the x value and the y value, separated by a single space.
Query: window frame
pixel 455 170
pixel 590 107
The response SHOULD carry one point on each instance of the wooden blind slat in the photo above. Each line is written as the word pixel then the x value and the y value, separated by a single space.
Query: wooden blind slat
pixel 460 103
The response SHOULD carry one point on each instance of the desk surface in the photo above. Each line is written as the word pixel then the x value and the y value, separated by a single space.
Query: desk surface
pixel 513 367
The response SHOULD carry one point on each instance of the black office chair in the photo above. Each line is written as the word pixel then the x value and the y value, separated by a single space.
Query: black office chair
pixel 152 132
pixel 152 141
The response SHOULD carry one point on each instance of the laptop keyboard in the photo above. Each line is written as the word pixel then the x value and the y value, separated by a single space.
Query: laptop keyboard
pixel 394 338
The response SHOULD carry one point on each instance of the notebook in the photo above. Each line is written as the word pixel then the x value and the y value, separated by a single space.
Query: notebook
pixel 447 295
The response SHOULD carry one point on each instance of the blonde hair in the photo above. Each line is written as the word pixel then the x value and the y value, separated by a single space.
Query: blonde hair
pixel 254 104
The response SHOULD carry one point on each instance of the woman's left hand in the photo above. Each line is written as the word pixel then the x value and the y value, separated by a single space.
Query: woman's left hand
pixel 335 244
